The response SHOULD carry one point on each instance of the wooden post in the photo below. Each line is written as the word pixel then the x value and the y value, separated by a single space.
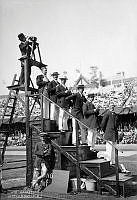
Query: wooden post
pixel 77 157
pixel 117 172
pixel 29 169
pixel 39 53
pixel 42 122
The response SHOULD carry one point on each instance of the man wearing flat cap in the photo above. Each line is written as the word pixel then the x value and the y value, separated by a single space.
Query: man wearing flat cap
pixel 77 111
pixel 45 158
pixel 62 92
pixel 91 120
pixel 54 110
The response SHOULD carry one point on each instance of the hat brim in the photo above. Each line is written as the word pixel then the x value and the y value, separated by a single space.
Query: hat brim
pixel 55 74
pixel 43 134
pixel 43 66
pixel 63 78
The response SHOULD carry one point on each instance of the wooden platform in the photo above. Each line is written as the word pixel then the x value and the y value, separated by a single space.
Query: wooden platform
pixel 123 179
pixel 22 88
pixel 99 167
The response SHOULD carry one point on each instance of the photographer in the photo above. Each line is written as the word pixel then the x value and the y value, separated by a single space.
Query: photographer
pixel 27 48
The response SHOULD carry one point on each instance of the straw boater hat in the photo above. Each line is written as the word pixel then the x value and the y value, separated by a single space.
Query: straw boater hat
pixel 55 74
pixel 91 95
pixel 63 77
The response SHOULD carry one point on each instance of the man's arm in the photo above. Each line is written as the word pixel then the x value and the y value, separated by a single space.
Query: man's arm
pixel 37 150
pixel 71 97
pixel 87 112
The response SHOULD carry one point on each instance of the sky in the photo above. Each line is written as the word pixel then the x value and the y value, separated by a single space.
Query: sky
pixel 72 34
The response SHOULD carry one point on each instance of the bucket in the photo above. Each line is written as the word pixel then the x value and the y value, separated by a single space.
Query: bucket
pixel 74 183
pixel 90 185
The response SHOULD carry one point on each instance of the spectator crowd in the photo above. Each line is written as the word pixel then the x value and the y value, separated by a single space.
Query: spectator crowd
pixel 127 97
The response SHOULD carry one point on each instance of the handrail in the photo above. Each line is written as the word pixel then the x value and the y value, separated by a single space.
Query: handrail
pixel 82 123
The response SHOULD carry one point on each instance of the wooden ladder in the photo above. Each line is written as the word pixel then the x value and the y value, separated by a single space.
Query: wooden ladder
pixel 8 114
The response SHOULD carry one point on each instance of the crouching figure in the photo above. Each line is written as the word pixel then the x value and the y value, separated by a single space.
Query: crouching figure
pixel 44 162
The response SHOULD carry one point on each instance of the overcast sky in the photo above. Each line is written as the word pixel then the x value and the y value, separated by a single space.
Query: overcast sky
pixel 73 34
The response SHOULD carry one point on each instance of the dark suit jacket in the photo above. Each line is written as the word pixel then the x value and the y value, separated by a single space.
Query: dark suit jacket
pixel 41 156
pixel 41 84
pixel 109 126
pixel 77 105
pixel 90 116
pixel 25 48
pixel 52 90
pixel 62 92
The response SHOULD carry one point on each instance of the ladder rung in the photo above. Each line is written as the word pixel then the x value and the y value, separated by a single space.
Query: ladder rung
pixel 7 115
pixel 9 106
pixel 12 97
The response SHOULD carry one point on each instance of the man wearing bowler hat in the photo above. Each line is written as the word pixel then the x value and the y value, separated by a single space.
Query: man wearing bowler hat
pixel 62 92
pixel 91 120
pixel 77 111
pixel 54 110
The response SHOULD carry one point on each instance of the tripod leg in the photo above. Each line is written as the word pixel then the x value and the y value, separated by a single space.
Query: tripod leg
pixel 39 53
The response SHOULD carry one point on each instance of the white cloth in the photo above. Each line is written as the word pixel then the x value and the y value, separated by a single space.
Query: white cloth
pixel 63 117
pixel 54 113
pixel 110 152
pixel 91 138
pixel 82 129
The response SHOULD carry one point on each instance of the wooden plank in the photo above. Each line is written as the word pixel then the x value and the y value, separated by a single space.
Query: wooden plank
pixel 59 182
pixel 122 178
pixel 94 161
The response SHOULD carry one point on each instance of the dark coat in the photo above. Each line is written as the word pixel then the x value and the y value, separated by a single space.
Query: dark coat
pixel 109 125
pixel 62 92
pixel 77 105
pixel 90 116
pixel 25 48
pixel 41 83
pixel 44 154
pixel 52 90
